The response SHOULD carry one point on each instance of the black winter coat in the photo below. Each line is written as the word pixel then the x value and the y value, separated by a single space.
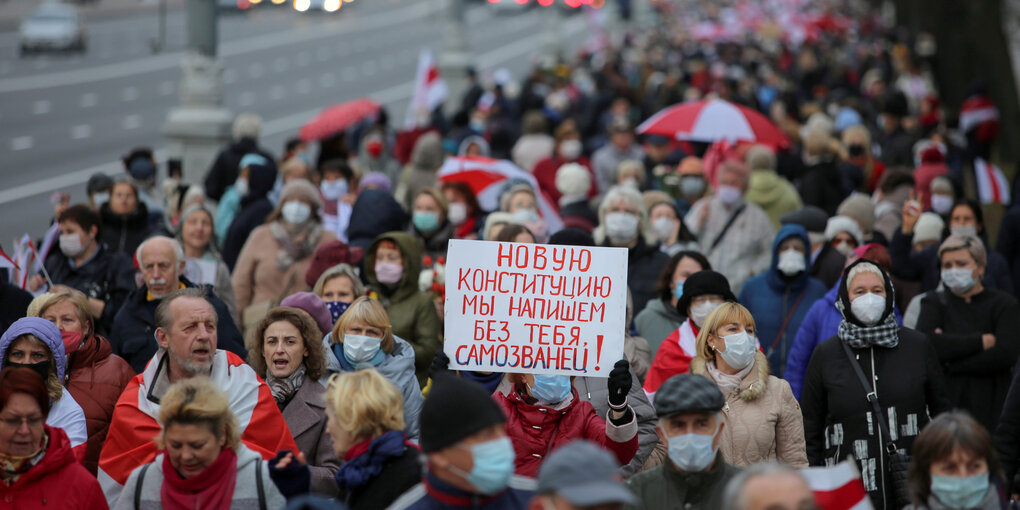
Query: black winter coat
pixel 397 476
pixel 224 169
pixel 14 303
pixel 977 379
pixel 838 418
pixel 828 267
pixel 1007 434
pixel 108 276
pixel 123 233
pixel 644 265
pixel 134 326
pixel 1008 243
pixel 822 186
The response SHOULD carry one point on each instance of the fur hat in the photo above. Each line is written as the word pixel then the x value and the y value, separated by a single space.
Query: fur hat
pixel 573 180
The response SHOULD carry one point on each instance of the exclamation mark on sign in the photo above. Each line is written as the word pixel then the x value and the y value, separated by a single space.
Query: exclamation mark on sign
pixel 598 352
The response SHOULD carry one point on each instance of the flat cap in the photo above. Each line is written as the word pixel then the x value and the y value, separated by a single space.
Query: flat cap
pixel 688 393
pixel 810 217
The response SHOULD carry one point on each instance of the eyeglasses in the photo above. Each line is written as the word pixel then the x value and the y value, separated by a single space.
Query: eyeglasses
pixel 13 422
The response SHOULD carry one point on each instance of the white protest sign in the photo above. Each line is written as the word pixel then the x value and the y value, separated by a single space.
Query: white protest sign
pixel 535 308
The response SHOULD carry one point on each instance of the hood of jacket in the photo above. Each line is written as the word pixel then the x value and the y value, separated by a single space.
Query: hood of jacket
pixel 753 384
pixel 410 250
pixel 136 220
pixel 765 187
pixel 261 180
pixel 427 154
pixel 374 212
pixel 843 298
pixel 775 278
pixel 94 349
pixel 43 330
pixel 58 455
pixel 535 414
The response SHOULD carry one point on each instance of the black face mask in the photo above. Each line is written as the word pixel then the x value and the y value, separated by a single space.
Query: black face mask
pixel 42 368
pixel 855 151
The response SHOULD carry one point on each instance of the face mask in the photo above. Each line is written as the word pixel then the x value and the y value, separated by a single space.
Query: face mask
pixel 621 227
pixel 678 290
pixel 843 248
pixel 42 368
pixel 868 308
pixel 701 311
pixel 855 151
pixel 551 389
pixel 739 351
pixel 663 228
pixel 964 230
pixel 100 198
pixel 457 213
pixel 791 262
pixel 70 245
pixel 941 204
pixel 493 466
pixel 959 280
pixel 296 212
pixel 526 215
pixel 570 150
pixel 336 309
pixel 478 126
pixel 692 452
pixel 630 182
pixel 960 492
pixel 388 272
pixel 333 190
pixel 728 194
pixel 425 221
pixel 241 186
pixel 360 348
pixel 692 185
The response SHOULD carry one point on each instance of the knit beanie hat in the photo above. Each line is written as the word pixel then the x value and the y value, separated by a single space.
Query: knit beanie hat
pixel 573 180
pixel 859 207
pixel 928 228
pixel 839 224
pixel 43 330
pixel 455 409
pixel 760 157
pixel 312 304
pixel 301 189
pixel 330 254
pixel 704 283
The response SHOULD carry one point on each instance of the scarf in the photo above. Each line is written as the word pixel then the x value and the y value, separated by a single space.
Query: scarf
pixel 295 245
pixel 365 460
pixel 884 334
pixel 727 383
pixel 12 467
pixel 489 381
pixel 212 489
pixel 285 388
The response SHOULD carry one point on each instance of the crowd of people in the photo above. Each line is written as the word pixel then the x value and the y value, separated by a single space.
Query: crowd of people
pixel 273 335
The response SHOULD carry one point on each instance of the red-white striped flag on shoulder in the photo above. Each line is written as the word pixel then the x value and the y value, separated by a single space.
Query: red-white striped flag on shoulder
pixel 838 487
pixel 991 183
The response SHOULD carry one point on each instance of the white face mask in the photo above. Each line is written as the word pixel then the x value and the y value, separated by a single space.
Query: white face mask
pixel 241 186
pixel 964 230
pixel 570 150
pixel 71 245
pixel 333 190
pixel 630 182
pixel 100 198
pixel 791 262
pixel 959 279
pixel 360 348
pixel 729 195
pixel 844 248
pixel 296 212
pixel 739 351
pixel 621 227
pixel 526 215
pixel 663 228
pixel 868 308
pixel 457 213
pixel 941 204
pixel 700 312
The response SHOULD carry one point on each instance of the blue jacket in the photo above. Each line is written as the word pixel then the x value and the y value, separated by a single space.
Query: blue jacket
pixel 435 494
pixel 771 297
pixel 820 323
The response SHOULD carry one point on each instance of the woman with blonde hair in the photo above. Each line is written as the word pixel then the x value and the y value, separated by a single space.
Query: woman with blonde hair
pixel 363 338
pixel 285 350
pixel 763 419
pixel 338 287
pixel 202 463
pixel 94 376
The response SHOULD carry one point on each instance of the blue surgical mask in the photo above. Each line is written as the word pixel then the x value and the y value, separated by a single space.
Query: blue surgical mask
pixel 551 389
pixel 425 221
pixel 336 309
pixel 678 290
pixel 960 492
pixel 692 452
pixel 493 466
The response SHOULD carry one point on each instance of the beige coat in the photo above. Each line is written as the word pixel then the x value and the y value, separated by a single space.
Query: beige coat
pixel 763 420
pixel 258 278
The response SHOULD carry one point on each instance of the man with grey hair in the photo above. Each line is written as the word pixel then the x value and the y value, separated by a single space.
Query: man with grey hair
pixel 734 234
pixel 187 332
pixel 225 167
pixel 161 262
pixel 769 486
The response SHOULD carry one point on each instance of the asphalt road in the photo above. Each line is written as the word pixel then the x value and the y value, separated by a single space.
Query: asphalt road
pixel 63 118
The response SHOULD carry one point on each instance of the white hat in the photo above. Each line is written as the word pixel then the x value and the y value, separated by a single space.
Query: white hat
pixel 837 224
pixel 573 180
pixel 928 228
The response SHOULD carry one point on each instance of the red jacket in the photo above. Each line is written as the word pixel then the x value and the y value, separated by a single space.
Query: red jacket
pixel 57 481
pixel 97 377
pixel 531 428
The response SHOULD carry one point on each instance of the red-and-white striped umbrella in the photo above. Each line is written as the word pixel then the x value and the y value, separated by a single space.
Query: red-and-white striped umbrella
pixel 337 118
pixel 711 121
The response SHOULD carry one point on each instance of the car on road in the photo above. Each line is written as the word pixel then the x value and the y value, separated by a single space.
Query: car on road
pixel 318 5
pixel 52 26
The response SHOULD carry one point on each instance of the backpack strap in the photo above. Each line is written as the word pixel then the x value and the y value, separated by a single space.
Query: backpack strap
pixel 259 485
pixel 726 227
pixel 138 486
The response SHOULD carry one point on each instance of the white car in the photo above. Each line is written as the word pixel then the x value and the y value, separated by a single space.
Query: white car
pixel 53 26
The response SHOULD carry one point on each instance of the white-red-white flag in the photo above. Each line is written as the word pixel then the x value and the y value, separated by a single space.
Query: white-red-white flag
pixel 991 183
pixel 8 264
pixel 24 253
pixel 838 487
pixel 429 92
pixel 49 240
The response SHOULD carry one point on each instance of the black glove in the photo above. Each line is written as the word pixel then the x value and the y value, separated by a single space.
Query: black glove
pixel 440 364
pixel 293 480
pixel 619 384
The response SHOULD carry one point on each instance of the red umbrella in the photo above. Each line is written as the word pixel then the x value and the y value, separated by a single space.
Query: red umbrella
pixel 713 120
pixel 337 118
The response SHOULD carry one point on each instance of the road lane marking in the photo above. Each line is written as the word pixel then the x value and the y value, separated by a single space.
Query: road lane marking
pixel 88 100
pixel 246 99
pixel 129 94
pixel 322 54
pixel 276 92
pixel 41 107
pixel 81 131
pixel 303 59
pixel 166 88
pixel 21 143
pixel 280 64
pixel 256 70
pixel 133 121
pixel 303 86
pixel 327 80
